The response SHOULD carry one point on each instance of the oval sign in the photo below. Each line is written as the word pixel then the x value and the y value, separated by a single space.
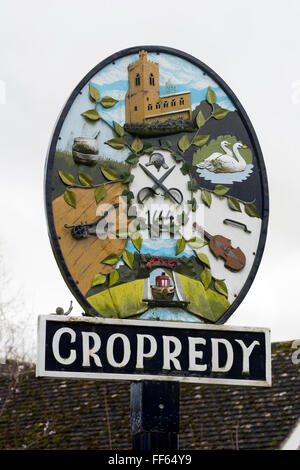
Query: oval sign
pixel 156 190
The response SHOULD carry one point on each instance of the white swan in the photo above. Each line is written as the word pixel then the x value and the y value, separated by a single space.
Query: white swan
pixel 211 163
pixel 232 164
pixel 227 163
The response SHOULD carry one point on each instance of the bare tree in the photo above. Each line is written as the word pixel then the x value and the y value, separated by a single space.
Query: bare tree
pixel 15 323
pixel 14 352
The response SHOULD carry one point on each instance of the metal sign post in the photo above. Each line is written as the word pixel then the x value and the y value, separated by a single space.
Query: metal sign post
pixel 154 407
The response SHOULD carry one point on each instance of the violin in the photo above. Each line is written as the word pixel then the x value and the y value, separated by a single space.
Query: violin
pixel 221 248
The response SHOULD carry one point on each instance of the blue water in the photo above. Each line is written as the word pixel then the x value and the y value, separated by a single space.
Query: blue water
pixel 160 247
pixel 223 178
pixel 169 314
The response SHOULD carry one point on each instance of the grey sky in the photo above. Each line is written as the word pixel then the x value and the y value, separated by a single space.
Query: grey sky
pixel 46 47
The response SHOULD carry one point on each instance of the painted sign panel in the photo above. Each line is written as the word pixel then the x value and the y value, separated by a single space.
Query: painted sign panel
pixel 134 350
pixel 156 190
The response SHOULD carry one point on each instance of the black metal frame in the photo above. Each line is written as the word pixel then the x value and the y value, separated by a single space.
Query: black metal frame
pixel 51 153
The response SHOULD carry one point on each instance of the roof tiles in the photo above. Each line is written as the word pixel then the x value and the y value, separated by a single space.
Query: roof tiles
pixel 85 414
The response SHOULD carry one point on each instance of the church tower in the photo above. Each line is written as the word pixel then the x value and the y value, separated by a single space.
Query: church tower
pixel 143 89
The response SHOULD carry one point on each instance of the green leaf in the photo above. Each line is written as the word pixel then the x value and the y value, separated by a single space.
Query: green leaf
pixel 117 143
pixel 206 197
pixel 193 185
pixel 110 259
pixel 193 204
pixel 198 157
pixel 100 193
pixel 205 277
pixel 67 178
pixel 113 278
pixel 70 198
pixel 203 258
pixel 128 258
pixel 137 240
pixel 132 159
pixel 186 168
pixel 85 180
pixel 200 140
pixel 128 195
pixel 98 279
pixel 251 210
pixel 91 114
pixel 137 145
pixel 119 129
pixel 200 119
pixel 183 143
pixel 165 144
pixel 108 102
pixel 178 156
pixel 127 178
pixel 221 287
pixel 220 113
pixel 197 242
pixel 234 204
pixel 109 174
pixel 180 246
pixel 94 93
pixel 211 97
pixel 220 190
pixel 148 147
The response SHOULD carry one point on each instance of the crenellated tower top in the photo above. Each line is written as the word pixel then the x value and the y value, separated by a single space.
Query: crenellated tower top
pixel 143 56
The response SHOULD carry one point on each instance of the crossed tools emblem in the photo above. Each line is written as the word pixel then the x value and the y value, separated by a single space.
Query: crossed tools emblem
pixel 148 191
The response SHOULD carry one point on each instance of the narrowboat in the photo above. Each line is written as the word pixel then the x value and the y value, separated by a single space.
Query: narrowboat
pixel 162 288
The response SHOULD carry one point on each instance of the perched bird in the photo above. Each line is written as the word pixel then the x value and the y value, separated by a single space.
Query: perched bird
pixel 60 310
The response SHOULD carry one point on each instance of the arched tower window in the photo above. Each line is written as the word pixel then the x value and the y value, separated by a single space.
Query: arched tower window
pixel 173 103
pixel 165 104
pixel 181 101
pixel 137 79
pixel 151 79
pixel 157 105
pixel 149 106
